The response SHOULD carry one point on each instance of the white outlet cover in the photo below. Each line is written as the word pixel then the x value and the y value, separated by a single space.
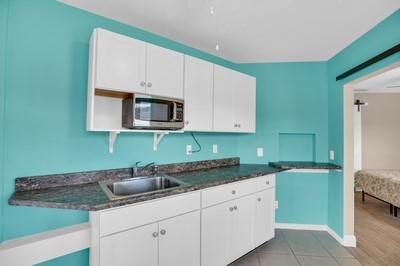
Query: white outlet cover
pixel 215 148
pixel 188 149
pixel 260 152
pixel 276 204
pixel 331 155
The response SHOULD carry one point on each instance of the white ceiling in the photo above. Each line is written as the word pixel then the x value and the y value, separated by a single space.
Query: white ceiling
pixel 388 81
pixel 252 30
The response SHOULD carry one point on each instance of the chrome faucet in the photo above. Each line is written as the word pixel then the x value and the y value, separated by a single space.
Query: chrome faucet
pixel 136 167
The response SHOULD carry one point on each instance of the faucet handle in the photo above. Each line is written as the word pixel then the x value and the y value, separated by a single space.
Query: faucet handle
pixel 137 163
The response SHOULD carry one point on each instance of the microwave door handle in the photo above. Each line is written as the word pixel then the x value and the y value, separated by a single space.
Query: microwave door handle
pixel 174 116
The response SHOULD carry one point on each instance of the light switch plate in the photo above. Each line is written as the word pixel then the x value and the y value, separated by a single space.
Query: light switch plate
pixel 215 148
pixel 331 155
pixel 276 204
pixel 260 152
pixel 188 149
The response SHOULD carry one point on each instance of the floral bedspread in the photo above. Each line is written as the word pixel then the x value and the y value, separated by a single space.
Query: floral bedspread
pixel 383 184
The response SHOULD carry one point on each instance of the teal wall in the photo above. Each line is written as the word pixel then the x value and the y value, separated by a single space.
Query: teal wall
pixel 43 104
pixel 291 98
pixel 380 38
pixel 3 37
pixel 45 107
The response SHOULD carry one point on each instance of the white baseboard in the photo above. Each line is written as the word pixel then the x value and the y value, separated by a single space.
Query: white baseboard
pixel 350 241
pixel 313 227
pixel 347 240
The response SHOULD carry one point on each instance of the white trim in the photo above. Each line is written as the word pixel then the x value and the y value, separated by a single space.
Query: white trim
pixel 347 241
pixel 310 171
pixel 45 246
pixel 314 227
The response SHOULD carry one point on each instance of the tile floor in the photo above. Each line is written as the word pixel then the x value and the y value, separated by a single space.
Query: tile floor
pixel 293 247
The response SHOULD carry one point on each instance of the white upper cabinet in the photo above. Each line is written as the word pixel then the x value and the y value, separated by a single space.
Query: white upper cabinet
pixel 198 94
pixel 217 99
pixel 244 102
pixel 234 101
pixel 224 85
pixel 119 62
pixel 164 70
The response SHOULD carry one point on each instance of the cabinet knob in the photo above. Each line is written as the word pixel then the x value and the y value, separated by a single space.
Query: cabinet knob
pixel 238 125
pixel 186 122
pixel 235 208
pixel 259 199
pixel 267 182
pixel 233 192
pixel 163 232
pixel 142 83
pixel 231 209
pixel 155 234
pixel 149 84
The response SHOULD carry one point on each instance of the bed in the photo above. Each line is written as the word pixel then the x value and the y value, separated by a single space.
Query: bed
pixel 381 184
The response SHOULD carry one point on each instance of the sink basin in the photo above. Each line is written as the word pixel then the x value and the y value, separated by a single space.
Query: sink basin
pixel 139 185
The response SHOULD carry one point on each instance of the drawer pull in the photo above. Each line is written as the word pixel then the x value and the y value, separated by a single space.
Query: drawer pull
pixel 163 232
pixel 259 199
pixel 235 208
pixel 231 209
pixel 155 234
pixel 267 182
pixel 233 192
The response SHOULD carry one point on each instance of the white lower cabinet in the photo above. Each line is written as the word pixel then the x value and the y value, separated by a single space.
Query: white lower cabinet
pixel 212 227
pixel 172 242
pixel 137 246
pixel 216 223
pixel 227 231
pixel 179 240
pixel 241 238
pixel 264 228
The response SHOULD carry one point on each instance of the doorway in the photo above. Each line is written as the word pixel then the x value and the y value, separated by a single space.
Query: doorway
pixel 369 116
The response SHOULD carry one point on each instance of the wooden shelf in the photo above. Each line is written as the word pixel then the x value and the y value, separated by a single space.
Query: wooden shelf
pixel 113 94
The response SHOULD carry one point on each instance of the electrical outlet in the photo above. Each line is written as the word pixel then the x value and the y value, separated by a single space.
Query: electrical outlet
pixel 260 152
pixel 276 204
pixel 331 155
pixel 188 149
pixel 215 148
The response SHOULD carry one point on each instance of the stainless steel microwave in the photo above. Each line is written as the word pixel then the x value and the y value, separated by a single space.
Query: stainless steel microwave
pixel 152 112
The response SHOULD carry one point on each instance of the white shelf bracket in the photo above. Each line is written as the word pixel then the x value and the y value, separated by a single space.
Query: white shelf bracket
pixel 157 139
pixel 111 140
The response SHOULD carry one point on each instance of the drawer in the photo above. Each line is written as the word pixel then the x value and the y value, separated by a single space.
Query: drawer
pixel 265 182
pixel 120 219
pixel 227 192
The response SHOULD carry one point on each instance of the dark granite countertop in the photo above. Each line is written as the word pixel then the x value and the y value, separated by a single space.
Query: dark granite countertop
pixel 90 196
pixel 81 191
pixel 304 165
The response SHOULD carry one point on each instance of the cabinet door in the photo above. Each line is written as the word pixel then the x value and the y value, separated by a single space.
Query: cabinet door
pixel 164 72
pixel 198 94
pixel 244 102
pixel 120 62
pixel 215 234
pixel 265 216
pixel 135 247
pixel 224 86
pixel 242 229
pixel 179 240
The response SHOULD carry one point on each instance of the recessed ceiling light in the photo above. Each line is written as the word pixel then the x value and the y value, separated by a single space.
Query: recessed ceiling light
pixel 217 47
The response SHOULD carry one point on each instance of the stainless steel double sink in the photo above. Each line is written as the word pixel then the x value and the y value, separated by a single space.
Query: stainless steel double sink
pixel 140 185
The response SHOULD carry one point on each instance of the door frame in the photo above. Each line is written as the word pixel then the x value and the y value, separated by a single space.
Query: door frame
pixel 348 153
